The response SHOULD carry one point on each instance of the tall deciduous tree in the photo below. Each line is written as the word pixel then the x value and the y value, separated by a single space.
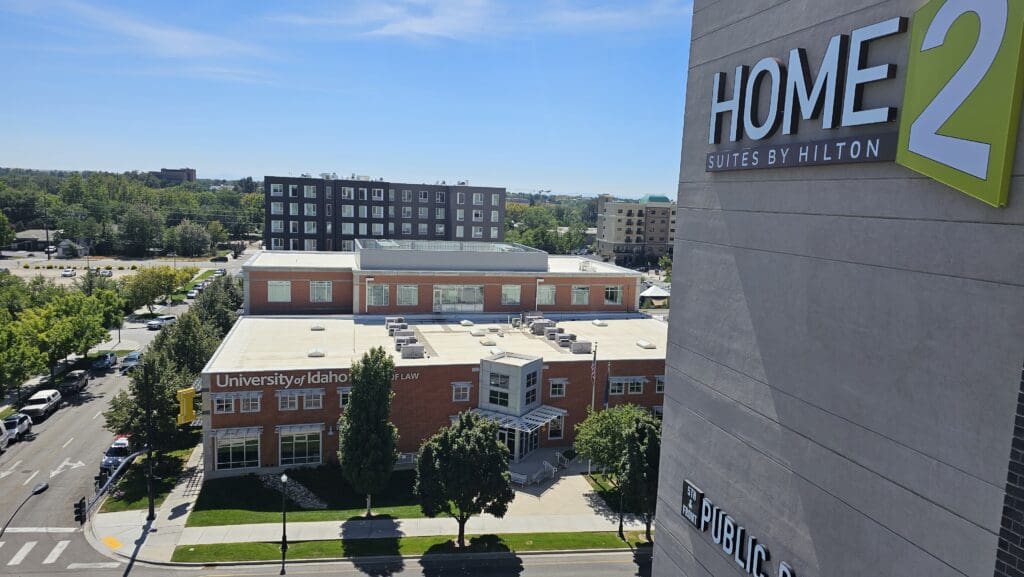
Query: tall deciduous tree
pixel 217 232
pixel 141 229
pixel 19 360
pixel 463 471
pixel 368 437
pixel 149 284
pixel 126 415
pixel 191 239
pixel 6 233
pixel 190 342
pixel 640 478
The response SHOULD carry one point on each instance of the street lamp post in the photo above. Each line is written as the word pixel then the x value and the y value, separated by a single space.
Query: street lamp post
pixel 35 491
pixel 284 522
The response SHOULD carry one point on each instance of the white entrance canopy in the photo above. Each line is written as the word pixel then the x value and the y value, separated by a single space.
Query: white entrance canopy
pixel 527 423
pixel 655 292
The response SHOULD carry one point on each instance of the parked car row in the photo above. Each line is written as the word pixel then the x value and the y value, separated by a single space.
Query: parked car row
pixel 14 429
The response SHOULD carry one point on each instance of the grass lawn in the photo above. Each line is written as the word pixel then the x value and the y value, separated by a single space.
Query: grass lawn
pixel 119 352
pixel 603 485
pixel 238 500
pixel 405 546
pixel 130 492
pixel 179 295
pixel 7 412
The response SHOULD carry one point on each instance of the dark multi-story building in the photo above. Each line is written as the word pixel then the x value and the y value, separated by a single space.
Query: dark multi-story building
pixel 175 175
pixel 329 214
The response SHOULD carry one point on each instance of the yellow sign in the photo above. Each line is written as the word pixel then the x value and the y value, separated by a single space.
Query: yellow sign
pixel 186 406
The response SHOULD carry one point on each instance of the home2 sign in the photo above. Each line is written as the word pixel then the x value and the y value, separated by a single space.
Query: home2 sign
pixel 957 122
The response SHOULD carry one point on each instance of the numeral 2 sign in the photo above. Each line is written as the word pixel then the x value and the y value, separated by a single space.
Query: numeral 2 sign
pixel 961 105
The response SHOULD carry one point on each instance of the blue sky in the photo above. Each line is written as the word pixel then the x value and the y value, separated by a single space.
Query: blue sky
pixel 574 96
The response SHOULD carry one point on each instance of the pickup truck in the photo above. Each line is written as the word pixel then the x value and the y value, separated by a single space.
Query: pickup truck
pixel 42 404
pixel 73 382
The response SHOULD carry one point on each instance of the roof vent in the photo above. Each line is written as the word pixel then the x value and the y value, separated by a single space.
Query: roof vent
pixel 466 323
pixel 645 344
pixel 599 323
pixel 315 353
pixel 316 328
pixel 488 342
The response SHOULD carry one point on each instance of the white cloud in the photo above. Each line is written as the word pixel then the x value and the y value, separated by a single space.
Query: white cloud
pixel 608 15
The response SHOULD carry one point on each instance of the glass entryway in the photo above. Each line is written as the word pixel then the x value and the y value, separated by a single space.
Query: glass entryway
pixel 457 298
pixel 519 443
pixel 527 443
pixel 508 437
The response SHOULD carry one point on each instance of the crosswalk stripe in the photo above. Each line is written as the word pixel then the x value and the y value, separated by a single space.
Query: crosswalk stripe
pixel 111 565
pixel 55 553
pixel 22 553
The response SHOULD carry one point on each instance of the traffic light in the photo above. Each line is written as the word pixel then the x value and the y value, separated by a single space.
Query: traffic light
pixel 80 511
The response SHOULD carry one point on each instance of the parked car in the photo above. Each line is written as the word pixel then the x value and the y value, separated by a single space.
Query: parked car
pixel 5 439
pixel 42 404
pixel 115 455
pixel 68 272
pixel 130 361
pixel 160 322
pixel 74 382
pixel 18 425
pixel 104 361
pixel 219 259
pixel 106 272
pixel 192 293
pixel 220 272
pixel 50 249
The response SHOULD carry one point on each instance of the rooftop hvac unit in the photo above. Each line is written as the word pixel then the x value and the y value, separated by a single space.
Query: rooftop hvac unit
pixel 404 333
pixel 488 342
pixel 394 328
pixel 412 351
pixel 585 266
pixel 477 332
pixel 580 347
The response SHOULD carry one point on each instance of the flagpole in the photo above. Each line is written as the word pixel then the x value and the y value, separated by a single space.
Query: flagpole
pixel 593 390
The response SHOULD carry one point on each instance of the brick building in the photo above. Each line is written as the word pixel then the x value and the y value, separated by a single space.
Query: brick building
pixel 274 390
pixel 313 214
pixel 635 232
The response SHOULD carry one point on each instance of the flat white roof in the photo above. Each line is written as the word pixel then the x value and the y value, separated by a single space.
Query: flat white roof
pixel 303 260
pixel 265 343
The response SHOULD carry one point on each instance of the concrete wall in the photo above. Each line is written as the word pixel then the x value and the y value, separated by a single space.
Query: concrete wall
pixel 845 342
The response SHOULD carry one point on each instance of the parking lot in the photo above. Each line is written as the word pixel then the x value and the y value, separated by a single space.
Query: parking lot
pixel 15 262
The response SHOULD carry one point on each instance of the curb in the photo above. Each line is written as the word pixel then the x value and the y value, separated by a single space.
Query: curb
pixel 381 559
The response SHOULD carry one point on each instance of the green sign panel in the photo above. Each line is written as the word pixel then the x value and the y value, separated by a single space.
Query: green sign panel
pixel 961 105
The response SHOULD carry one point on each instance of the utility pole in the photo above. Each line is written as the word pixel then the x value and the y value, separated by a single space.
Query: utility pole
pixel 147 381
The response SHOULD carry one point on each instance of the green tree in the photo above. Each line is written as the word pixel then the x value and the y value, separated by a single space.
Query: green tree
pixel 90 282
pixel 217 305
pixel 640 478
pixel 190 343
pixel 368 437
pixel 218 234
pixel 148 284
pixel 665 264
pixel 191 239
pixel 463 471
pixel 14 294
pixel 6 232
pixel 111 307
pixel 126 415
pixel 142 228
pixel 71 323
pixel 19 359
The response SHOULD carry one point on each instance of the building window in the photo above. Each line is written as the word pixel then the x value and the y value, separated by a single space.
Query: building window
pixel 439 196
pixel 460 232
pixel 279 291
pixel 531 380
pixel 391 211
pixel 616 388
pixel 494 232
pixel 276 190
pixel 348 245
pixel 460 198
pixel 328 227
pixel 362 194
pixel 613 295
pixel 313 401
pixel 510 294
pixel 391 228
pixel 238 453
pixel 406 228
pixel 344 396
pixel 531 396
pixel 478 198
pixel 378 229
pixel 378 212
pixel 499 380
pixel 555 427
pixel 636 387
pixel 499 398
pixel 391 194
pixel 406 196
pixel 320 291
pixel 460 392
pixel 348 211
pixel 293 190
pixel 223 405
pixel 277 226
pixel 309 209
pixel 580 295
pixel 288 403
pixel 408 295
pixel 328 193
pixel 309 191
pixel 377 295
pixel 494 216
pixel 293 244
pixel 478 216
pixel 348 228
pixel 293 226
pixel 421 228
pixel 424 212
pixel 293 209
pixel 545 294
pixel 378 194
pixel 249 404
pixel 478 232
pixel 329 209
pixel 556 388
pixel 659 384
pixel 362 229
pixel 348 193
pixel 363 211
pixel 438 230
pixel 460 214
pixel 406 212
pixel 310 227
pixel 300 449
pixel 277 243
pixel 309 244
pixel 438 214
pixel 424 196
pixel 277 208
pixel 495 199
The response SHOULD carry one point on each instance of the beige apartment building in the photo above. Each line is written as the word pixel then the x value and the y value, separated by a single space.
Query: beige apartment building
pixel 635 232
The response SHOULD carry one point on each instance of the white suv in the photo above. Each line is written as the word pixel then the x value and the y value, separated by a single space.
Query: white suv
pixel 160 322
pixel 42 404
